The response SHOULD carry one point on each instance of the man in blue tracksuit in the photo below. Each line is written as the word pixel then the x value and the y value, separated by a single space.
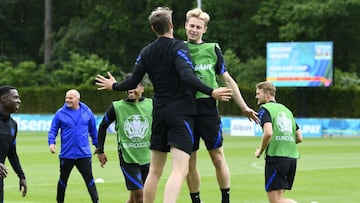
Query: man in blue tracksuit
pixel 77 122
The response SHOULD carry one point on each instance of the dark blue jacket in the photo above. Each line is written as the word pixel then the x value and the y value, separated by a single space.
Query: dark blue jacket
pixel 8 133
pixel 74 132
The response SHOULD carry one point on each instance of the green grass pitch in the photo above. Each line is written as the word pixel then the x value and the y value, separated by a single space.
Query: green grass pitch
pixel 328 172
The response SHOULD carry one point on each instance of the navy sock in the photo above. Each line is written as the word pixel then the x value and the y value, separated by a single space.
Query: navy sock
pixel 225 195
pixel 195 197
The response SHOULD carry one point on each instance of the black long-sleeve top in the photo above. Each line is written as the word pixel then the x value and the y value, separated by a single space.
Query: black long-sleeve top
pixel 167 62
pixel 8 132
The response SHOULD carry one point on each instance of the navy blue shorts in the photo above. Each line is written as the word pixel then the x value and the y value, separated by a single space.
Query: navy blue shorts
pixel 175 131
pixel 134 174
pixel 279 173
pixel 209 129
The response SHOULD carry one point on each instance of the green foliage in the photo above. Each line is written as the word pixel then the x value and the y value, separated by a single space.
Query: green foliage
pixel 22 29
pixel 115 30
pixel 248 73
pixel 26 73
pixel 346 80
pixel 309 18
pixel 231 27
pixel 70 39
pixel 78 70
pixel 82 70
pixel 45 100
pixel 304 102
pixel 97 36
pixel 313 20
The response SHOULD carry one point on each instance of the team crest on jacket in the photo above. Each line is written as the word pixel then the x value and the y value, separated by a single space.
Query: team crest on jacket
pixel 136 126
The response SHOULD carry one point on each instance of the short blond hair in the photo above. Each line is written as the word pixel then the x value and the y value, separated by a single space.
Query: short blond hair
pixel 198 13
pixel 160 18
pixel 267 86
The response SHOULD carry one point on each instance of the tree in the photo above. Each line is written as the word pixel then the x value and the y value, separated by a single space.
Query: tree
pixel 18 75
pixel 47 32
pixel 115 30
pixel 346 80
pixel 245 74
pixel 313 20
pixel 82 70
pixel 21 33
pixel 231 26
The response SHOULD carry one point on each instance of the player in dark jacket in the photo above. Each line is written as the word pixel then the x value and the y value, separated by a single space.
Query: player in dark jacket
pixel 10 102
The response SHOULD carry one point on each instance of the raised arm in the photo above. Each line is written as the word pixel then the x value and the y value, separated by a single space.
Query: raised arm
pixel 105 83
pixel 248 112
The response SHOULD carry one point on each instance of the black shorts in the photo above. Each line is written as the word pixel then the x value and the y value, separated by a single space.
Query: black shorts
pixel 134 174
pixel 209 128
pixel 279 173
pixel 176 131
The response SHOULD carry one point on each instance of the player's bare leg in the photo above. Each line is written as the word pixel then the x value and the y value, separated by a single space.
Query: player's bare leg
pixel 222 172
pixel 277 196
pixel 193 178
pixel 179 170
pixel 157 162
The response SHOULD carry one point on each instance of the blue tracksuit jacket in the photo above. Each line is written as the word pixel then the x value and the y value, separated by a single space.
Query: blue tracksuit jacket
pixel 74 132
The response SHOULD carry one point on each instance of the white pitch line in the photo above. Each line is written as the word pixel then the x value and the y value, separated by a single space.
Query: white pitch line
pixel 258 165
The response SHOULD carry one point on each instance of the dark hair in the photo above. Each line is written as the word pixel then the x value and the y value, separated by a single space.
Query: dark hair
pixel 160 18
pixel 5 89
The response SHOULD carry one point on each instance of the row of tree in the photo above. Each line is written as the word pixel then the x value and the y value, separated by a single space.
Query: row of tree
pixel 94 36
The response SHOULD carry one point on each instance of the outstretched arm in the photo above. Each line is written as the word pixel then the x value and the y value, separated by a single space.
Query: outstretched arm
pixel 248 112
pixel 222 94
pixel 105 83
pixel 127 84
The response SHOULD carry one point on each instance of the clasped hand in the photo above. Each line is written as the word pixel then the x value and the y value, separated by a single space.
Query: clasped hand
pixel 222 94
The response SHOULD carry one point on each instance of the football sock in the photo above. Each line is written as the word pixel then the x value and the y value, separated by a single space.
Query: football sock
pixel 195 197
pixel 225 195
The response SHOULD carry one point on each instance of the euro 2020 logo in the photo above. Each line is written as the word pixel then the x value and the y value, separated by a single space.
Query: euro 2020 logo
pixel 135 127
pixel 283 123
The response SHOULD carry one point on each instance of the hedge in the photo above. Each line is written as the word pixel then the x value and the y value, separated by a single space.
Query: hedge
pixel 304 102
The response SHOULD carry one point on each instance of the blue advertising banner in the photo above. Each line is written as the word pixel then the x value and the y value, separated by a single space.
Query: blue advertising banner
pixel 299 64
pixel 315 127
pixel 235 126
pixel 341 127
pixel 42 122
pixel 310 127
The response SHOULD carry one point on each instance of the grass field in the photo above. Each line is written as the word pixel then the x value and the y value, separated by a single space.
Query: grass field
pixel 328 172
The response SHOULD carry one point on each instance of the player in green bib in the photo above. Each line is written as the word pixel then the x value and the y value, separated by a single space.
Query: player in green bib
pixel 208 63
pixel 133 119
pixel 280 136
